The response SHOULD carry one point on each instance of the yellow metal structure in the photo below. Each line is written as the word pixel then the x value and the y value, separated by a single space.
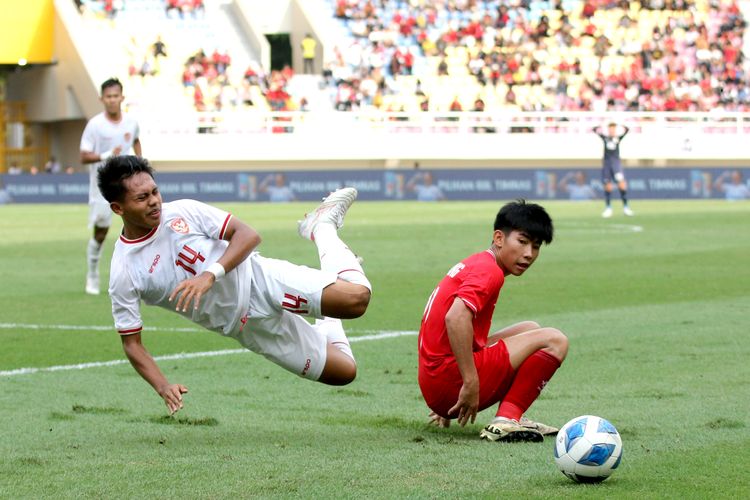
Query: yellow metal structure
pixel 26 31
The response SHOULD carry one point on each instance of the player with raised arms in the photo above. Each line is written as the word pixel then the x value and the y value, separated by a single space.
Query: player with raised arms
pixel 612 168
pixel 201 262
pixel 462 368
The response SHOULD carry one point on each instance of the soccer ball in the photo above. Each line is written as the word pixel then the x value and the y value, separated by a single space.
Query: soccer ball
pixel 588 449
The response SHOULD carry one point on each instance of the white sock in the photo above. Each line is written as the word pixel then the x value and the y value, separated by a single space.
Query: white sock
pixel 333 329
pixel 93 252
pixel 336 257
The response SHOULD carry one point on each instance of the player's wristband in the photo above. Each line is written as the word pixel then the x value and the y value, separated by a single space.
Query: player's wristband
pixel 217 270
pixel 107 154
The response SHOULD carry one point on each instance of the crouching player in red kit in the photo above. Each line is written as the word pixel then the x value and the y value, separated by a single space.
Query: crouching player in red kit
pixel 463 369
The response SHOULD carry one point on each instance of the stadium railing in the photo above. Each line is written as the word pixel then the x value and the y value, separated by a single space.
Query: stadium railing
pixel 714 135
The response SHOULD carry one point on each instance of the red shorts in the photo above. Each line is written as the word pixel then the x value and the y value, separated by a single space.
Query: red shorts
pixel 440 386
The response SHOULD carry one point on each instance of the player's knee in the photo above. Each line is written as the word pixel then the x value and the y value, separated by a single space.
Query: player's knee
pixel 557 343
pixel 527 326
pixel 342 373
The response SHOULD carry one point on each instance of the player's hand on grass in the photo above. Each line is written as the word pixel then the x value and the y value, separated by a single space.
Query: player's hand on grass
pixel 191 290
pixel 467 406
pixel 172 395
pixel 438 421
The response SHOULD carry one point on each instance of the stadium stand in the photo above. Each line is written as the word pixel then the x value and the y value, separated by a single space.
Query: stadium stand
pixel 409 67
pixel 597 55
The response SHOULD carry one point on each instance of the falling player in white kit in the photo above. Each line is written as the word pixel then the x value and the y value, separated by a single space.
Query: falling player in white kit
pixel 200 261
pixel 109 133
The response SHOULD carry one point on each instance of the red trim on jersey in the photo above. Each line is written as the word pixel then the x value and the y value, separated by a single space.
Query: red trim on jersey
pixel 224 226
pixel 130 331
pixel 347 270
pixel 139 240
pixel 469 304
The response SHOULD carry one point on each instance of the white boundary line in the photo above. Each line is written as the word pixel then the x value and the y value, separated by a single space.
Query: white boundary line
pixel 185 355
pixel 593 227
pixel 98 328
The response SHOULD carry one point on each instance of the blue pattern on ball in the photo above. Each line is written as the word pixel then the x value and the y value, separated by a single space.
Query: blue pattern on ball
pixel 598 454
pixel 574 432
pixel 605 426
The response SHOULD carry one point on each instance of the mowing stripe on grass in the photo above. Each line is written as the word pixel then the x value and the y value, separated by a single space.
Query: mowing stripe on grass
pixel 185 355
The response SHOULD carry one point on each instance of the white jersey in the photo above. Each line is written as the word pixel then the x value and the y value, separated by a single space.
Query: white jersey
pixel 187 240
pixel 102 135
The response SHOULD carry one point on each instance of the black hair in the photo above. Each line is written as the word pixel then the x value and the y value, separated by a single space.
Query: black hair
pixel 530 218
pixel 118 168
pixel 112 82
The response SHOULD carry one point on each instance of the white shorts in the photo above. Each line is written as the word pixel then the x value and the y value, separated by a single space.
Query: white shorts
pixel 100 215
pixel 282 292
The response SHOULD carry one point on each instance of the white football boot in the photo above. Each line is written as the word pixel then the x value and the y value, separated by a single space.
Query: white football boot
pixel 546 430
pixel 331 211
pixel 627 211
pixel 607 213
pixel 507 430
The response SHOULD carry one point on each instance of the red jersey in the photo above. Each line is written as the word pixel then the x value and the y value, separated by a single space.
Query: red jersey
pixel 477 281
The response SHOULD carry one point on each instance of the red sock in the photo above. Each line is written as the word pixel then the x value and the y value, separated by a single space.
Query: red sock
pixel 530 379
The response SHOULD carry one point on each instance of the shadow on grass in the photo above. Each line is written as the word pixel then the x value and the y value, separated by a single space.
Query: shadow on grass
pixel 352 392
pixel 98 410
pixel 56 415
pixel 724 423
pixel 169 420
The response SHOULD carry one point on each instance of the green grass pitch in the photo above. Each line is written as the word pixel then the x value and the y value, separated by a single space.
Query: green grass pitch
pixel 655 307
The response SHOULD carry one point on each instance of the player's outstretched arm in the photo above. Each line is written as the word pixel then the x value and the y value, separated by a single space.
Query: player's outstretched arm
pixel 242 240
pixel 145 365
pixel 458 322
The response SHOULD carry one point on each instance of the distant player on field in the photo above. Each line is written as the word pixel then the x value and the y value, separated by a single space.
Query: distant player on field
pixel 612 168
pixel 107 134
pixel 463 369
pixel 200 261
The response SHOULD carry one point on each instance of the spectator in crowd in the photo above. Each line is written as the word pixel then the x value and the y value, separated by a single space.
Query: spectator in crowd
pixel 479 109
pixel 185 6
pixel 112 7
pixel 421 183
pixel 735 189
pixel 276 187
pixel 308 54
pixel 52 166
pixel 110 133
pixel 5 196
pixel 575 185
pixel 14 169
pixel 612 167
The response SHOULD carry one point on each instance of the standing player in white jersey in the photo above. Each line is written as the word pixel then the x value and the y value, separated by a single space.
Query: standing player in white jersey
pixel 200 261
pixel 107 134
